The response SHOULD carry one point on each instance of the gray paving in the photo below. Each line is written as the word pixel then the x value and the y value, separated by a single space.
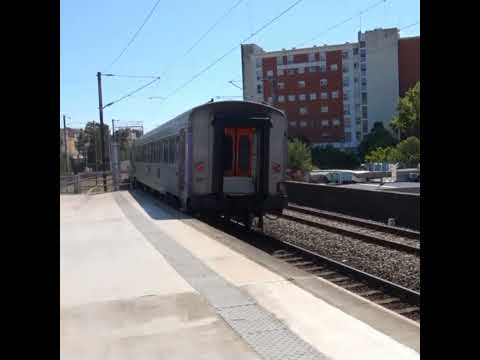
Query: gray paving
pixel 267 335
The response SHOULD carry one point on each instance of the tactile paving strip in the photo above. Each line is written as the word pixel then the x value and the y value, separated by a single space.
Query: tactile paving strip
pixel 266 334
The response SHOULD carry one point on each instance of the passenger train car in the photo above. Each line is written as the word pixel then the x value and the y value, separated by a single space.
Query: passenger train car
pixel 220 158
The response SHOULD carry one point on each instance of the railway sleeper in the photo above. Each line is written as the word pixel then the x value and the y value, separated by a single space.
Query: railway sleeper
pixel 369 292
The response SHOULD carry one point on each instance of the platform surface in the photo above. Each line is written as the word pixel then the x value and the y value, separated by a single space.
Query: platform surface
pixel 141 282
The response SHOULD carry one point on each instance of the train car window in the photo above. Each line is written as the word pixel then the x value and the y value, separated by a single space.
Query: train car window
pixel 171 150
pixel 165 151
pixel 244 153
pixel 227 154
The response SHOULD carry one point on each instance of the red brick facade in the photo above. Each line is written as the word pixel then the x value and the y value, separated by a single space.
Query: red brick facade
pixel 314 130
pixel 408 63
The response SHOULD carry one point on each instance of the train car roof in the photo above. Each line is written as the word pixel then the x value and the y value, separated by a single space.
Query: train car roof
pixel 217 106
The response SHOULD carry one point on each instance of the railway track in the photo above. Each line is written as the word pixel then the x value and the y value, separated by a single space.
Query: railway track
pixel 406 233
pixel 401 300
pixel 357 230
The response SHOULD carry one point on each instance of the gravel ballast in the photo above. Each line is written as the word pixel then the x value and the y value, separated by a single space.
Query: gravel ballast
pixel 389 264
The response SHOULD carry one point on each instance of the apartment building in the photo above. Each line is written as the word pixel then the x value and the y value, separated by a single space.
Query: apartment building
pixel 333 94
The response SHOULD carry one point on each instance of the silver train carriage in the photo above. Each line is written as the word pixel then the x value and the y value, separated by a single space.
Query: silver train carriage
pixel 220 158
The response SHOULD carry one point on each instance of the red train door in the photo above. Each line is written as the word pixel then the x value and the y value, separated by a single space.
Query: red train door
pixel 237 147
pixel 243 164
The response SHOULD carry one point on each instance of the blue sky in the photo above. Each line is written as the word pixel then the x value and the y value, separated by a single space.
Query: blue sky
pixel 93 32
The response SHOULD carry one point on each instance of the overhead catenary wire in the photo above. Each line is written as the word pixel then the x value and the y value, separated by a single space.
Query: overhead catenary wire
pixel 409 26
pixel 132 93
pixel 358 13
pixel 135 35
pixel 228 52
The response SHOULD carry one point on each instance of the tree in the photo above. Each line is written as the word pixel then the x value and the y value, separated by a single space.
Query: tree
pixel 386 154
pixel 299 156
pixel 409 152
pixel 331 158
pixel 407 122
pixel 379 137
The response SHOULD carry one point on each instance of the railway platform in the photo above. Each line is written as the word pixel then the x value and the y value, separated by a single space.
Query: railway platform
pixel 142 281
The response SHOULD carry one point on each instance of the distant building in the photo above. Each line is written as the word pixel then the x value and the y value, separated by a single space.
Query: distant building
pixel 333 94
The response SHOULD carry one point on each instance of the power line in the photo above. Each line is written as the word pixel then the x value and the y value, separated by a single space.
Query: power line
pixel 131 76
pixel 135 35
pixel 204 35
pixel 213 27
pixel 342 22
pixel 133 92
pixel 263 27
pixel 408 26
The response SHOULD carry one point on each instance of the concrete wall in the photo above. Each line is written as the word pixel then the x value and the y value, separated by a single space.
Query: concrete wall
pixel 374 205
pixel 382 75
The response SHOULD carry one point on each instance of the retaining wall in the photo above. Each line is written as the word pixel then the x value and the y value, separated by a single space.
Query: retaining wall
pixel 367 204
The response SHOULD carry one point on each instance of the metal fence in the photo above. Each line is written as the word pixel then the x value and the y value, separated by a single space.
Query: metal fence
pixel 92 182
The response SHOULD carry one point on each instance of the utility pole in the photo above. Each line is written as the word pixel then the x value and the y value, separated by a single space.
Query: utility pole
pixel 113 130
pixel 65 142
pixel 102 136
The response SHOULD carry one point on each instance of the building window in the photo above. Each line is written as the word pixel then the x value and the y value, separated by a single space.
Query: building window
pixel 323 95
pixel 291 97
pixel 336 122
pixel 364 112
pixel 333 67
pixel 345 54
pixel 355 80
pixel 293 123
pixel 281 85
pixel 259 75
pixel 357 109
pixel 311 57
pixel 301 70
pixel 325 123
pixel 279 60
pixel 364 82
pixel 346 109
pixel 359 135
pixel 345 96
pixel 313 96
pixel 355 51
pixel 303 110
pixel 334 94
pixel 281 98
pixel 312 69
pixel 165 151
pixel 348 137
pixel 364 98
pixel 365 126
pixel 302 97
pixel 269 73
pixel 322 68
pixel 362 44
pixel 323 56
pixel 363 66
pixel 323 82
pixel 303 124
pixel 346 83
pixel 258 62
pixel 324 109
pixel 290 59
pixel 280 72
pixel 259 89
pixel 363 54
pixel 358 121
pixel 291 72
pixel 301 84
pixel 347 122
pixel 355 66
